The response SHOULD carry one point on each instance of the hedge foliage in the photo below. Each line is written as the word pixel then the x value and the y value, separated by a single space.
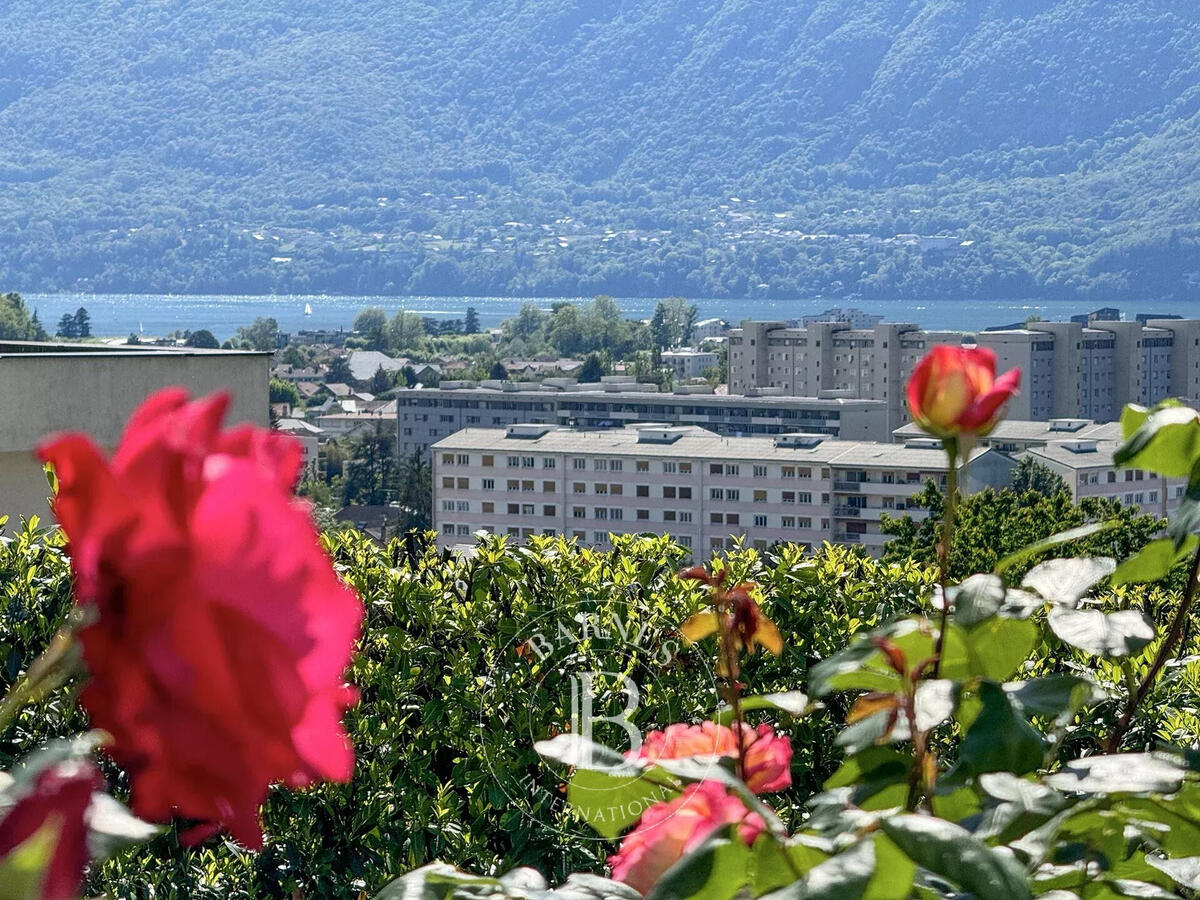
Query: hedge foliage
pixel 440 656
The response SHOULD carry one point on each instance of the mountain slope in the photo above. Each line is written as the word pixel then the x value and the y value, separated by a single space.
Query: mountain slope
pixel 383 145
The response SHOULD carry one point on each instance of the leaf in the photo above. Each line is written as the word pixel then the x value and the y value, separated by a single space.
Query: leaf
pixel 894 872
pixel 878 776
pixel 715 870
pixel 775 863
pixel 111 826
pixel 951 851
pixel 978 598
pixel 1118 633
pixel 999 740
pixel 1185 872
pixel 699 626
pixel 1119 773
pixel 1024 805
pixel 1055 540
pixel 996 648
pixel 1167 441
pixel 610 803
pixel 1154 561
pixel 1064 581
pixel 585 886
pixel 579 752
pixel 794 703
pixel 24 867
pixel 842 877
pixel 1053 695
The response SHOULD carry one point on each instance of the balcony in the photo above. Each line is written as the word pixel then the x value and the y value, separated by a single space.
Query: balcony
pixel 847 487
pixel 848 512
pixel 847 538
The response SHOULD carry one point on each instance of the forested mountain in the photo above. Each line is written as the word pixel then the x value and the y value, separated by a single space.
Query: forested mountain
pixel 703 147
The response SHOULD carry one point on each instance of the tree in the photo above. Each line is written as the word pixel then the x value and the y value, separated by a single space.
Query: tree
pixel 261 334
pixel 671 324
pixel 66 326
pixel 471 321
pixel 83 323
pixel 381 381
pixel 415 493
pixel 372 325
pixel 1031 475
pixel 405 331
pixel 370 475
pixel 39 332
pixel 15 322
pixel 498 372
pixel 529 321
pixel 593 368
pixel 203 339
pixel 281 391
pixel 339 371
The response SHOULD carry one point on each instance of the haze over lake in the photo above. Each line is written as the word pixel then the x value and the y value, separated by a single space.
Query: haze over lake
pixel 119 315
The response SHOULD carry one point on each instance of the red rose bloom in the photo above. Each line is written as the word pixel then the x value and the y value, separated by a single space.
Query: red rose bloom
pixel 768 755
pixel 54 806
pixel 669 830
pixel 219 633
pixel 954 390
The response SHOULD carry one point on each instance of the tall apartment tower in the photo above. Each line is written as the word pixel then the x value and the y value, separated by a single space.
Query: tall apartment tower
pixel 1087 369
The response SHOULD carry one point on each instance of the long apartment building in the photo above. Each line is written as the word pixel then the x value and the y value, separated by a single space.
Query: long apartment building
pixel 1081 452
pixel 427 415
pixel 1071 369
pixel 700 487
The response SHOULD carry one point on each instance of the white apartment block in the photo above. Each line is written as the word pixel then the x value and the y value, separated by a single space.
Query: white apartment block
pixel 1071 369
pixel 1013 436
pixel 428 415
pixel 706 329
pixel 703 489
pixel 689 363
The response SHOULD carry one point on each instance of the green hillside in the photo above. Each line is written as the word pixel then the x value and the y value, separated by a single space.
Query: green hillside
pixel 555 147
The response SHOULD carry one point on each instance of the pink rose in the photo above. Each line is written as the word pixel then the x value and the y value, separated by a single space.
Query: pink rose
pixel 768 755
pixel 671 829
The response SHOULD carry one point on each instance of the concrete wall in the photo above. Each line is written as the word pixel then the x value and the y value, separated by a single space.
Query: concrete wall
pixel 45 392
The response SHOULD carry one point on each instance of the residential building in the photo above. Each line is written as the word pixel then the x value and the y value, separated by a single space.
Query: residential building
pixel 1086 465
pixel 856 318
pixel 704 489
pixel 706 329
pixel 1016 435
pixel 689 363
pixel 1071 369
pixel 309 436
pixel 49 387
pixel 426 415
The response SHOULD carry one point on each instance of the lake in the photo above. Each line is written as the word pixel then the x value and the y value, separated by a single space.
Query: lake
pixel 118 315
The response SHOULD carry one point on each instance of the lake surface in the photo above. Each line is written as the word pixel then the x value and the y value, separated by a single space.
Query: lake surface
pixel 119 315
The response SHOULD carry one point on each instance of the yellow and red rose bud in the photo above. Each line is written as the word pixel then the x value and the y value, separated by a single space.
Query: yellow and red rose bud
pixel 954 391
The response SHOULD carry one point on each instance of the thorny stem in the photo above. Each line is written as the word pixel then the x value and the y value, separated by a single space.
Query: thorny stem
pixel 733 687
pixel 945 541
pixel 1166 650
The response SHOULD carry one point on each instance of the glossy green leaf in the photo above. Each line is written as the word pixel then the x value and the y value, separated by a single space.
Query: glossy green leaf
pixel 1053 695
pixel 976 599
pixel 1000 739
pixel 610 803
pixel 1118 633
pixel 1055 540
pixel 775 864
pixel 878 775
pixel 953 853
pixel 1065 581
pixel 1154 560
pixel 1166 441
pixel 1185 871
pixel 793 703
pixel 1135 773
pixel 996 648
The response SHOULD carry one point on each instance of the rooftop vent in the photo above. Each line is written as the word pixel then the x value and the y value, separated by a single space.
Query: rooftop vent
pixel 660 434
pixel 799 439
pixel 527 431
pixel 923 443
pixel 1067 424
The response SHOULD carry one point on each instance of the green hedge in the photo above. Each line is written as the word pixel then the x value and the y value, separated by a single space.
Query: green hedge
pixel 439 655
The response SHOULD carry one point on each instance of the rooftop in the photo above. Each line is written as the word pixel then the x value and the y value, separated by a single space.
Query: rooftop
pixel 696 443
pixel 1026 431
pixel 617 395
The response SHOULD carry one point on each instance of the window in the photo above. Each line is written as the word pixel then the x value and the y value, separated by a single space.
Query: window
pixel 527 486
pixel 447 529
pixel 488 484
pixel 669 468
pixel 616 513
pixel 527 509
pixel 600 465
pixel 716 493
pixel 760 471
pixel 804 497
pixel 669 492
pixel 732 470
pixel 615 465
pixel 732 519
pixel 463 506
pixel 616 489
pixel 447 459
pixel 685 516
pixel 643 514
pixel 803 473
pixel 547 487
pixel 463 459
pixel 716 518
pixel 715 468
pixel 489 461
pixel 579 464
pixel 512 485
pixel 760 521
pixel 668 515
pixel 685 493
pixel 448 483
pixel 526 462
pixel 514 509
pixel 600 488
pixel 733 494
pixel 447 506
pixel 788 522
pixel 788 496
pixel 489 507
pixel 685 468
pixel 684 541
pixel 578 487
pixel 462 483
pixel 549 462
pixel 514 462
pixel 643 490
pixel 599 537
pixel 760 496
pixel 578 512
pixel 643 465
pixel 600 512
pixel 804 522
pixel 579 535
pixel 788 472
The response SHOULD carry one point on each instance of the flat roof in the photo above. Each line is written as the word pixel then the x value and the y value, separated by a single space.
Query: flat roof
pixel 702 399
pixel 1033 430
pixel 14 349
pixel 1059 452
pixel 699 443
